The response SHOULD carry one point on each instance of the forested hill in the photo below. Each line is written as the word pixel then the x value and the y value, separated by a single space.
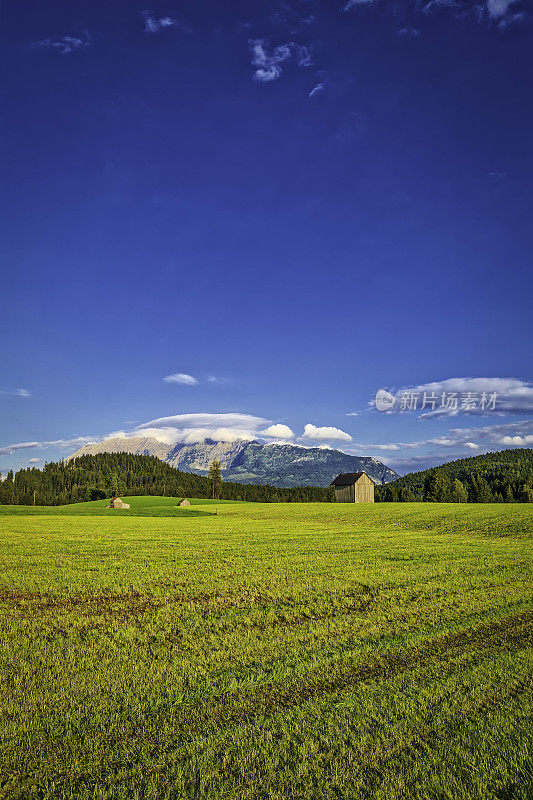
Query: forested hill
pixel 505 476
pixel 110 474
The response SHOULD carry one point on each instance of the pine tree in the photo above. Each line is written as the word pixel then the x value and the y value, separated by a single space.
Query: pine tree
pixel 526 495
pixel 459 493
pixel 437 488
pixel 8 489
pixel 480 490
pixel 215 477
pixel 508 496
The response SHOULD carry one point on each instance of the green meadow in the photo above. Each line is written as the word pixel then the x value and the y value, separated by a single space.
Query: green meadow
pixel 266 651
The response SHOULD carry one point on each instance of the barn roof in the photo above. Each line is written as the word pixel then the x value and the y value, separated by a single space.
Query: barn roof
pixel 348 478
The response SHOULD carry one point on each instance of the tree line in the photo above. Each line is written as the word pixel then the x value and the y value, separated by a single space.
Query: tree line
pixel 505 476
pixel 502 477
pixel 123 474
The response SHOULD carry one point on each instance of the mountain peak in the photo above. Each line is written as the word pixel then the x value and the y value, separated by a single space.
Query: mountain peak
pixel 276 464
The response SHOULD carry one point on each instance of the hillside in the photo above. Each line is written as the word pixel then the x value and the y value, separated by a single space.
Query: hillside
pixel 247 462
pixel 504 476
pixel 92 477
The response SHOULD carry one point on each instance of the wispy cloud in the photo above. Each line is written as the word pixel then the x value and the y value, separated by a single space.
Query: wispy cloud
pixel 354 3
pixel 78 441
pixel 324 433
pixel 457 442
pixel 409 32
pixel 497 11
pixel 66 44
pixel 303 55
pixel 218 379
pixel 155 24
pixel 190 380
pixel 24 393
pixel 268 61
pixel 181 377
pixel 499 8
pixel 316 90
pixel 464 396
pixel 510 19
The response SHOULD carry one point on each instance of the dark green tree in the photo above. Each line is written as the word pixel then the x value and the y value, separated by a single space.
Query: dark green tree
pixel 405 495
pixel 215 478
pixel 7 490
pixel 480 490
pixel 437 488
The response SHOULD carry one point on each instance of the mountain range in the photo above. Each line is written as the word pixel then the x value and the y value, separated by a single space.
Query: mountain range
pixel 250 461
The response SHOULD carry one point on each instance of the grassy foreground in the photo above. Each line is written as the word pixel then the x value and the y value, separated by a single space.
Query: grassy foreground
pixel 270 651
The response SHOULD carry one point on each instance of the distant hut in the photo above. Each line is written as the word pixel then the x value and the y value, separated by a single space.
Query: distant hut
pixel 184 503
pixel 116 502
pixel 353 487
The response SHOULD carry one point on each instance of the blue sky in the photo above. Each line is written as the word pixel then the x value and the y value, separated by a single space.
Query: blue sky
pixel 294 204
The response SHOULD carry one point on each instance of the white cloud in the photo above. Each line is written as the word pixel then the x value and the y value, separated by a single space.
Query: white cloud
pixel 232 434
pixel 279 431
pixel 23 393
pixel 512 396
pixel 352 414
pixel 195 427
pixel 66 44
pixel 316 90
pixel 181 377
pixel 520 440
pixel 206 420
pixel 166 435
pixel 156 24
pixel 319 433
pixel 472 445
pixel 33 460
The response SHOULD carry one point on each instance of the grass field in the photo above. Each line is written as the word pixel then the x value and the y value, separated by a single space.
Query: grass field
pixel 270 651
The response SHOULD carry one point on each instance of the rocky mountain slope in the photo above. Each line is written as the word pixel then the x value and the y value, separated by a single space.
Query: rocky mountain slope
pixel 251 462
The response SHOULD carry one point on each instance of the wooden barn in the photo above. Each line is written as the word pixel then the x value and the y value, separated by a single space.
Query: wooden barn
pixel 353 487
pixel 116 502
